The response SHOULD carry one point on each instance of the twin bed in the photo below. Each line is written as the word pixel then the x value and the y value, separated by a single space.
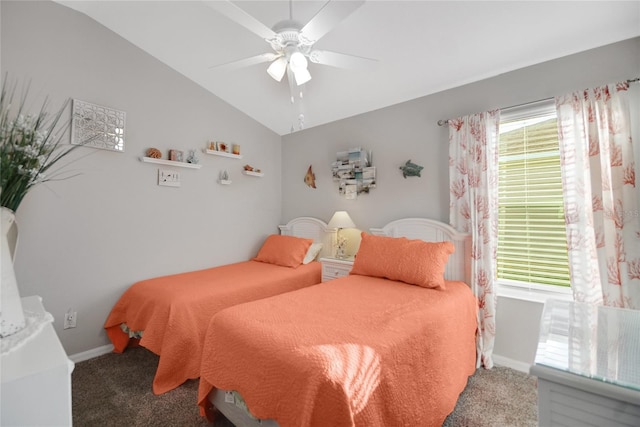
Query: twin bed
pixel 391 344
pixel 169 315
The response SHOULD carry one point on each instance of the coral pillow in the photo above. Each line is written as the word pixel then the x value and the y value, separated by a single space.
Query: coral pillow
pixel 397 258
pixel 287 251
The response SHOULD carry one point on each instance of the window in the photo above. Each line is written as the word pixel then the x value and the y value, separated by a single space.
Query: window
pixel 532 243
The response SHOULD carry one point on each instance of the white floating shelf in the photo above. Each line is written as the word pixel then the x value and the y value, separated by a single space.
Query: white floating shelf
pixel 223 154
pixel 170 163
pixel 250 173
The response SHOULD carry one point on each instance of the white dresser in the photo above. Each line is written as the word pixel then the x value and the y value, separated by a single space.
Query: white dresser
pixel 36 379
pixel 588 366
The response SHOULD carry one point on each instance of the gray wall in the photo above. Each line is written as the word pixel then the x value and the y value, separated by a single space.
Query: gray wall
pixel 83 241
pixel 409 131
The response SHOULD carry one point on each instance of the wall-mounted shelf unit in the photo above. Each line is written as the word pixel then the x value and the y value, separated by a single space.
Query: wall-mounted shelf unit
pixel 170 163
pixel 224 181
pixel 250 173
pixel 223 154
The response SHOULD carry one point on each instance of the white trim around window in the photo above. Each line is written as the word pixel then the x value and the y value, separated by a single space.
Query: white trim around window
pixel 531 291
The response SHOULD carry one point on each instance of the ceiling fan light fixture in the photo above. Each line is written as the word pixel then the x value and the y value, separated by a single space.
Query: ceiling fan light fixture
pixel 297 61
pixel 302 76
pixel 277 68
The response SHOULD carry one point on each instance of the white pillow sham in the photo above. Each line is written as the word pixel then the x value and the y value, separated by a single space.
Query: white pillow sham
pixel 312 253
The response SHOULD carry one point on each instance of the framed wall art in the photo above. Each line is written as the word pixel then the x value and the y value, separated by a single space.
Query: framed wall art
pixel 97 126
pixel 353 172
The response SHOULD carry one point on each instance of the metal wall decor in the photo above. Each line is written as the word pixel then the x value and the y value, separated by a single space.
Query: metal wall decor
pixel 411 169
pixel 310 178
pixel 97 126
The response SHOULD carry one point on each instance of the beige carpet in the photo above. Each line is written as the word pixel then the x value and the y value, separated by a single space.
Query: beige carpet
pixel 115 390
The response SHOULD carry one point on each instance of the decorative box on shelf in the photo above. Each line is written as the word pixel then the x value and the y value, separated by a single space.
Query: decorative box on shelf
pixel 170 163
pixel 334 268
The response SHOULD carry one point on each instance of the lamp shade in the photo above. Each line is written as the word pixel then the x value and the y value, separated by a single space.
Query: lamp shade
pixel 302 76
pixel 277 68
pixel 297 61
pixel 341 219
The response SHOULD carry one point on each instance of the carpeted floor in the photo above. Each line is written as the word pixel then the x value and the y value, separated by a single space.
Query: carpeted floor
pixel 115 390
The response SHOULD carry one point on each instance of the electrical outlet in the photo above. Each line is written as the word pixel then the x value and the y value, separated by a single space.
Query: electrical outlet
pixel 168 178
pixel 70 319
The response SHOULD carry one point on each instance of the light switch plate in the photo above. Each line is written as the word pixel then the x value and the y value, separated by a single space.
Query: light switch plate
pixel 168 178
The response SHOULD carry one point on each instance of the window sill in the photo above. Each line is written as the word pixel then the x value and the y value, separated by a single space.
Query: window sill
pixel 539 294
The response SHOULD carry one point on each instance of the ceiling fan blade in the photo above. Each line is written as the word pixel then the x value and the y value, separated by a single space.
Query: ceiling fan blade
pixel 328 17
pixel 246 62
pixel 341 60
pixel 241 17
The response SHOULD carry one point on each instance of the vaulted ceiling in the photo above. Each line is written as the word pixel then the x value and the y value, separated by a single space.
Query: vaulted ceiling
pixel 419 47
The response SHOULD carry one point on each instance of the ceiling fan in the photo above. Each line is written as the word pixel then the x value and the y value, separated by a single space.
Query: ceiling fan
pixel 293 43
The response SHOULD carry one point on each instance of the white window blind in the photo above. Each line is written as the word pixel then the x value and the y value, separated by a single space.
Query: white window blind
pixel 532 243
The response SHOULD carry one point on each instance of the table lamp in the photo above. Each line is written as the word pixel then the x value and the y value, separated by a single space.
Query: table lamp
pixel 340 220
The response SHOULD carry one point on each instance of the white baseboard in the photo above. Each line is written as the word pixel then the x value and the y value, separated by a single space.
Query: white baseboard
pixel 511 363
pixel 90 354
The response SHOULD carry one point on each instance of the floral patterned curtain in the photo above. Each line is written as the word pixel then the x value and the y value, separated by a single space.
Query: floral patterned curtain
pixel 599 185
pixel 473 171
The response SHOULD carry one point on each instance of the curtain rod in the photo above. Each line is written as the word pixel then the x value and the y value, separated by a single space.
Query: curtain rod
pixel 443 122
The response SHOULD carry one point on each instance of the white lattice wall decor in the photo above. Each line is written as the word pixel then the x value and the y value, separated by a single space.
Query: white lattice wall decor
pixel 97 126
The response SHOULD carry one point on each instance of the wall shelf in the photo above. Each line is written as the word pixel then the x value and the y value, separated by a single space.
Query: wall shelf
pixel 170 163
pixel 223 154
pixel 224 181
pixel 250 173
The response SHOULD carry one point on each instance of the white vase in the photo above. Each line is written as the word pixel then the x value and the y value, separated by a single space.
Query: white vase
pixel 11 314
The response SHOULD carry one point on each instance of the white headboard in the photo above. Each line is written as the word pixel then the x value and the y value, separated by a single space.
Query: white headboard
pixel 309 228
pixel 459 265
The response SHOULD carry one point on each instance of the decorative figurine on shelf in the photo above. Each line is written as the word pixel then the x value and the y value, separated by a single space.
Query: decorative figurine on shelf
pixel 154 153
pixel 224 176
pixel 193 159
pixel 410 169
pixel 310 178
pixel 249 168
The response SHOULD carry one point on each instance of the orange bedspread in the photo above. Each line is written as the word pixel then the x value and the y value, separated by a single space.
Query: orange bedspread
pixel 356 351
pixel 174 311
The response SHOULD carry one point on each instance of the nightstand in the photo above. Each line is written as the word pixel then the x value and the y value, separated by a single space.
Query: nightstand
pixel 333 268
